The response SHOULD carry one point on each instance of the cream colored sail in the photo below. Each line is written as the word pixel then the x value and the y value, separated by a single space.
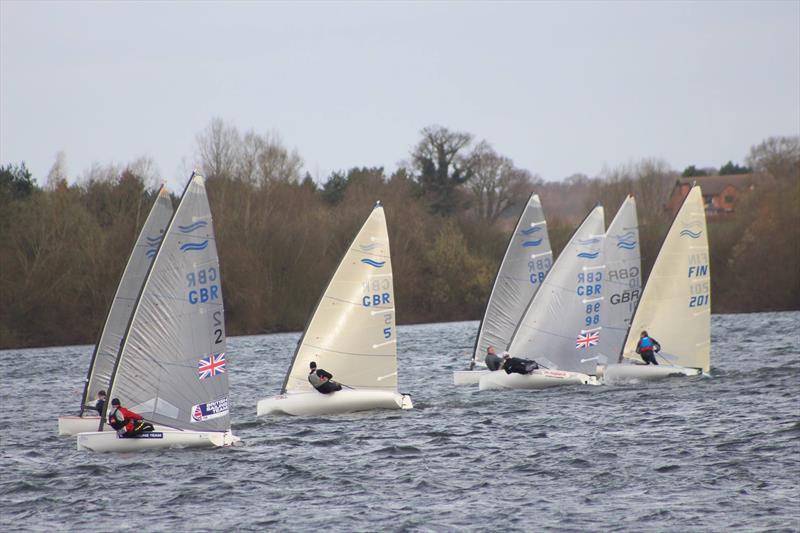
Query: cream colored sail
pixel 352 333
pixel 675 307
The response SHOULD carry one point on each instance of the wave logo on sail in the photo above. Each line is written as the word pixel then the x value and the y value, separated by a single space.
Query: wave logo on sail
pixel 373 263
pixel 211 366
pixel 585 242
pixel 626 240
pixel 588 255
pixel 194 246
pixel 368 247
pixel 208 411
pixel 686 232
pixel 192 227
pixel 152 244
pixel 532 243
pixel 531 231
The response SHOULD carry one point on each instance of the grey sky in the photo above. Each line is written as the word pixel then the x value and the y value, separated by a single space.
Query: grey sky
pixel 559 87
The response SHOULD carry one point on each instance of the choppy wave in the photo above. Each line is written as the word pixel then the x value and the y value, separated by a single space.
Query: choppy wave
pixel 715 454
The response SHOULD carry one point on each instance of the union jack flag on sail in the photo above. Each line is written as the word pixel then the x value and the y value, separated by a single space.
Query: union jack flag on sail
pixel 211 366
pixel 585 340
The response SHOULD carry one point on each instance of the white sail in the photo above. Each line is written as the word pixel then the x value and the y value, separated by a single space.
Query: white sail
pixel 119 314
pixel 623 280
pixel 525 264
pixel 352 333
pixel 562 326
pixel 172 365
pixel 675 306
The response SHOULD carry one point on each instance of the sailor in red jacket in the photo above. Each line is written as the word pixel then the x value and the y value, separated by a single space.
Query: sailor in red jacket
pixel 126 422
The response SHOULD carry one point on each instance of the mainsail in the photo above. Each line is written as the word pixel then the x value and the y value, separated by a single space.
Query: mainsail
pixel 675 306
pixel 119 314
pixel 623 280
pixel 525 264
pixel 172 365
pixel 352 333
pixel 562 326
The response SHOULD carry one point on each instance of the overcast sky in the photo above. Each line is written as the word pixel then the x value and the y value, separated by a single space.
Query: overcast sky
pixel 559 87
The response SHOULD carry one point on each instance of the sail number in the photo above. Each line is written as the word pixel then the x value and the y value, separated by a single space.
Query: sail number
pixel 538 269
pixel 590 284
pixel 202 285
pixel 699 294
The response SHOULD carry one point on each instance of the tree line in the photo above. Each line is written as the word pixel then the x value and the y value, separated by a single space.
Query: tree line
pixel 450 209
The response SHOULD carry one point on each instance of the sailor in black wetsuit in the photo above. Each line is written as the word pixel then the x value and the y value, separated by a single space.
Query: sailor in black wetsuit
pixel 321 380
pixel 100 403
pixel 517 365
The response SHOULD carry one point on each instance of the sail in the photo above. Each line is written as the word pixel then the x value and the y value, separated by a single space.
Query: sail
pixel 561 327
pixel 675 306
pixel 107 348
pixel 352 333
pixel 623 280
pixel 172 365
pixel 527 260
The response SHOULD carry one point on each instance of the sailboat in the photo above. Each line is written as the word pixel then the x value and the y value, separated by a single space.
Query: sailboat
pixel 525 264
pixel 119 314
pixel 352 334
pixel 622 257
pixel 675 306
pixel 561 328
pixel 172 366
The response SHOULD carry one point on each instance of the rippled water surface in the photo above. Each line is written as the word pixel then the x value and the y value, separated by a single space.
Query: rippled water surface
pixel 713 454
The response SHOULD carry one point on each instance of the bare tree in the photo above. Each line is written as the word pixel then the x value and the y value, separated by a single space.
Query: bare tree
pixel 276 163
pixel 495 182
pixel 218 147
pixel 58 172
pixel 441 166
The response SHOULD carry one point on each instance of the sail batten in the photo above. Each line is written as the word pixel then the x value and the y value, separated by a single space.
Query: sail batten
pixel 527 260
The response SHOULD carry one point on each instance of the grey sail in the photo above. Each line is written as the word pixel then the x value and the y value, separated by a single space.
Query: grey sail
pixel 119 314
pixel 562 325
pixel 172 365
pixel 525 264
pixel 623 280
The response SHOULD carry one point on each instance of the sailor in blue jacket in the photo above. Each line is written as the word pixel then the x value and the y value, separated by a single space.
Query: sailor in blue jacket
pixel 647 348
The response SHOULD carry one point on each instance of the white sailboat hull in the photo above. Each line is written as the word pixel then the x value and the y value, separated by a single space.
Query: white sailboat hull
pixel 72 425
pixel 633 372
pixel 537 380
pixel 109 441
pixel 343 401
pixel 468 377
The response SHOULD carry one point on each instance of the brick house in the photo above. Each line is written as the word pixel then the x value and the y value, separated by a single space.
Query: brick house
pixel 720 193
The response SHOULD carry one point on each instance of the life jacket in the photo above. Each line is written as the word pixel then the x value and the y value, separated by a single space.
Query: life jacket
pixel 646 344
pixel 115 422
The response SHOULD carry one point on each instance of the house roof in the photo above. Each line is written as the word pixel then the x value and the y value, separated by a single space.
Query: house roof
pixel 716 184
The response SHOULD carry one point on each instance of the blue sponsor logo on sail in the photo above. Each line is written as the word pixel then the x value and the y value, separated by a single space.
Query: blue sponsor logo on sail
pixel 588 255
pixel 535 242
pixel 373 263
pixel 194 246
pixel 531 231
pixel 192 227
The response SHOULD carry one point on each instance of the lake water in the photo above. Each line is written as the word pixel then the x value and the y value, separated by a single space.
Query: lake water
pixel 710 454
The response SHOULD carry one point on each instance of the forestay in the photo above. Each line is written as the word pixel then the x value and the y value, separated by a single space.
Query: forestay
pixel 352 332
pixel 623 280
pixel 525 264
pixel 172 366
pixel 675 306
pixel 561 328
pixel 119 314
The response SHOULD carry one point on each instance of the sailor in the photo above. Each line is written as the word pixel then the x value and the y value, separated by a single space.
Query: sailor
pixel 648 348
pixel 517 365
pixel 321 380
pixel 100 403
pixel 492 360
pixel 126 422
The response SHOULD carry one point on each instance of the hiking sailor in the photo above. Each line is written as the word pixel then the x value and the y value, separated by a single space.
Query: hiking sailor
pixel 321 380
pixel 647 348
pixel 517 365
pixel 126 422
